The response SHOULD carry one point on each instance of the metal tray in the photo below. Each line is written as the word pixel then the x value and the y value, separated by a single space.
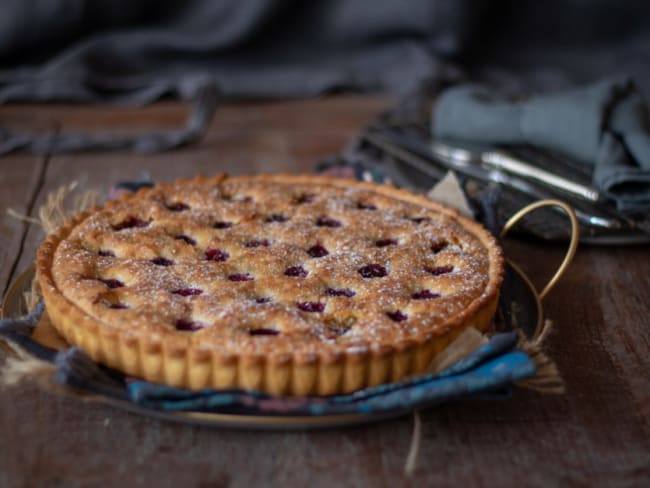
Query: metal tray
pixel 517 288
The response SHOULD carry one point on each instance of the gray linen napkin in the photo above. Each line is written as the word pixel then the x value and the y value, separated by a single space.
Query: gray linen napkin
pixel 604 125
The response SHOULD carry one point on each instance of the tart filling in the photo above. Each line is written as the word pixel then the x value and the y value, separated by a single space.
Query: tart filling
pixel 288 284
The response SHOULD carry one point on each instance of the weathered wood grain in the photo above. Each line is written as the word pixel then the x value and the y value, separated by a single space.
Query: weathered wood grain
pixel 19 178
pixel 597 434
pixel 351 112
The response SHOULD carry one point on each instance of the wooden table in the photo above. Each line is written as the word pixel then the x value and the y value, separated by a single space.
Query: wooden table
pixel 597 434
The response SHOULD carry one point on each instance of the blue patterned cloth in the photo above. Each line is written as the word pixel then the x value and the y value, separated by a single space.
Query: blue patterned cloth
pixel 491 369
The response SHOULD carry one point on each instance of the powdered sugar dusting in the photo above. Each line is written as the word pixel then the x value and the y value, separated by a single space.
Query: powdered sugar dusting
pixel 308 266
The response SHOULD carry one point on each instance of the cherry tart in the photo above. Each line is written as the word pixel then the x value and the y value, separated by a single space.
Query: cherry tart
pixel 290 284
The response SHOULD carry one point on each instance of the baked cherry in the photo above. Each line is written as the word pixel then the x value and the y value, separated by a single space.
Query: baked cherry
pixel 160 261
pixel 236 198
pixel 177 206
pixel 276 217
pixel 303 198
pixel 240 277
pixel 372 271
pixel 424 295
pixel 118 306
pixel 397 316
pixel 262 300
pixel 328 222
pixel 419 220
pixel 188 239
pixel 263 331
pixel 436 247
pixel 296 271
pixel 222 225
pixel 311 306
pixel 340 292
pixel 385 242
pixel 187 292
pixel 111 282
pixel 189 325
pixel 366 206
pixel 317 251
pixel 106 253
pixel 337 329
pixel 257 243
pixel 216 255
pixel 130 223
pixel 438 270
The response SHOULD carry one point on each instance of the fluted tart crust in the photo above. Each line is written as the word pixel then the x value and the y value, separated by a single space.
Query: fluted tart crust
pixel 291 284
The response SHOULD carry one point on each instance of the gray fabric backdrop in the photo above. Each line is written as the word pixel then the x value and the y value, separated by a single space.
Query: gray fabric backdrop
pixel 137 51
pixel 134 51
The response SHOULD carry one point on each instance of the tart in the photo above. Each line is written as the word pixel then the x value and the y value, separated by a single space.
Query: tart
pixel 289 284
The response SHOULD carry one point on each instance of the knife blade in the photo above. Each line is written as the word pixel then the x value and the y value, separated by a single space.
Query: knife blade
pixel 502 160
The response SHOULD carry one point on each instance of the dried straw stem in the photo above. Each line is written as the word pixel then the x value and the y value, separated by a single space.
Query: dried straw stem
pixel 548 378
pixel 21 365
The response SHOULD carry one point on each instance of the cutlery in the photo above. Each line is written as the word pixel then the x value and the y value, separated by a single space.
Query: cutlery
pixel 421 156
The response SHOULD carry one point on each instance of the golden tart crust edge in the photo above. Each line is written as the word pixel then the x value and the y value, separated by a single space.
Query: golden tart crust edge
pixel 169 360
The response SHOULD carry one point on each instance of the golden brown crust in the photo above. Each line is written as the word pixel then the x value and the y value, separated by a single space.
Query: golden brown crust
pixel 161 271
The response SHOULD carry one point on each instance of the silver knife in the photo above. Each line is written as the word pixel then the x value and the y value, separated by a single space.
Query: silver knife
pixel 501 160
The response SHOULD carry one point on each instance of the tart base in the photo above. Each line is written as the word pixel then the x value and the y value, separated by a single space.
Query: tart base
pixel 172 362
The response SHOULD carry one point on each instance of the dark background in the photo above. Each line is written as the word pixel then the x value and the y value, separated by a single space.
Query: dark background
pixel 139 50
